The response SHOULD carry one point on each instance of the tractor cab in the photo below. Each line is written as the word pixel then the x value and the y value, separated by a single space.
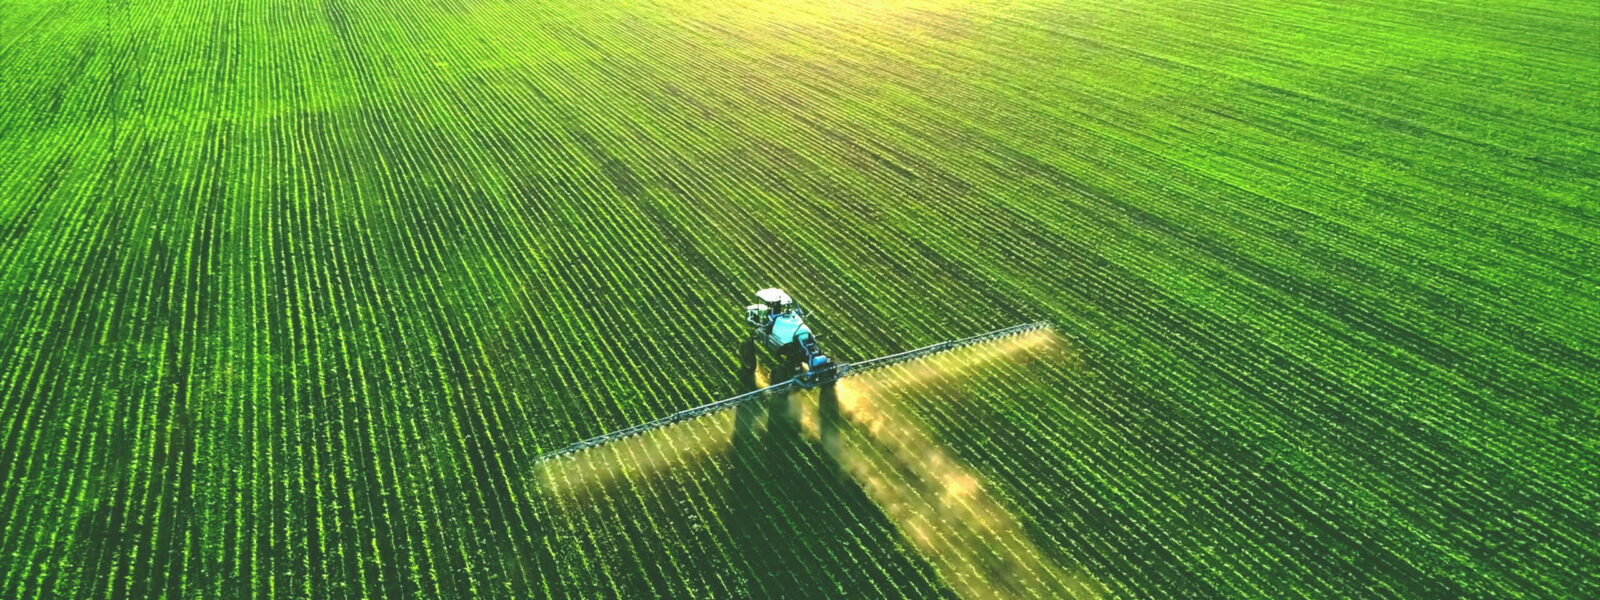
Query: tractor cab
pixel 773 303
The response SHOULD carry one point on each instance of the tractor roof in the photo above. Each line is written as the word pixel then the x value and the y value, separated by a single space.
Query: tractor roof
pixel 773 295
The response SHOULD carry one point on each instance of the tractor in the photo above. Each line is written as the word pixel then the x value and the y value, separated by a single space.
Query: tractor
pixel 778 327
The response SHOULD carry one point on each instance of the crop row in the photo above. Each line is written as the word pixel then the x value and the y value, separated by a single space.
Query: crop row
pixel 292 295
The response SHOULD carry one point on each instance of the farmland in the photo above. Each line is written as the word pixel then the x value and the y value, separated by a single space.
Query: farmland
pixel 293 293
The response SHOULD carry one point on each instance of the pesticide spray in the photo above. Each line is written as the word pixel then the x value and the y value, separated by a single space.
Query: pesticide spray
pixel 937 503
pixel 940 506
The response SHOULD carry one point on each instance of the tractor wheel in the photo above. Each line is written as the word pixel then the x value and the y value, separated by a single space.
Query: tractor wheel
pixel 747 365
pixel 785 370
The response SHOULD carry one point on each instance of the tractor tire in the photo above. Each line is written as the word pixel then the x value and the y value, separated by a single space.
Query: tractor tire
pixel 784 371
pixel 747 365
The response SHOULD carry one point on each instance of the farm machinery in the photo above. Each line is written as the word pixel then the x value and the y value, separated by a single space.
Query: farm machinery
pixel 778 328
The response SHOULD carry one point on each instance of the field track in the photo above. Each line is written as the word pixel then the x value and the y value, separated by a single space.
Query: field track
pixel 293 292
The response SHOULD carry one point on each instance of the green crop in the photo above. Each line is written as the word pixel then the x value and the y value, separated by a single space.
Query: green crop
pixel 292 294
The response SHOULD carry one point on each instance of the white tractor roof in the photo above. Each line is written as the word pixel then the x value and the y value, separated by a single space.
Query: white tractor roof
pixel 771 295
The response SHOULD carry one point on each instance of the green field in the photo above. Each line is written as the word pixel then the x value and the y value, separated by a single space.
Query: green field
pixel 292 293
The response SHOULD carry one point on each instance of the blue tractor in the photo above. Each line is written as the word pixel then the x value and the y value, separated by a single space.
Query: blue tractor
pixel 778 325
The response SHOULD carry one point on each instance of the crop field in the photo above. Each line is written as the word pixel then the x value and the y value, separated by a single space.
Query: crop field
pixel 293 294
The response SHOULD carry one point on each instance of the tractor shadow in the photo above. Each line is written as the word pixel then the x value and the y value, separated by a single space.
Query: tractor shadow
pixel 799 525
pixel 855 454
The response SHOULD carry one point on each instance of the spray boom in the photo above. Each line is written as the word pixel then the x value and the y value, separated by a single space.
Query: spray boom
pixel 810 379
